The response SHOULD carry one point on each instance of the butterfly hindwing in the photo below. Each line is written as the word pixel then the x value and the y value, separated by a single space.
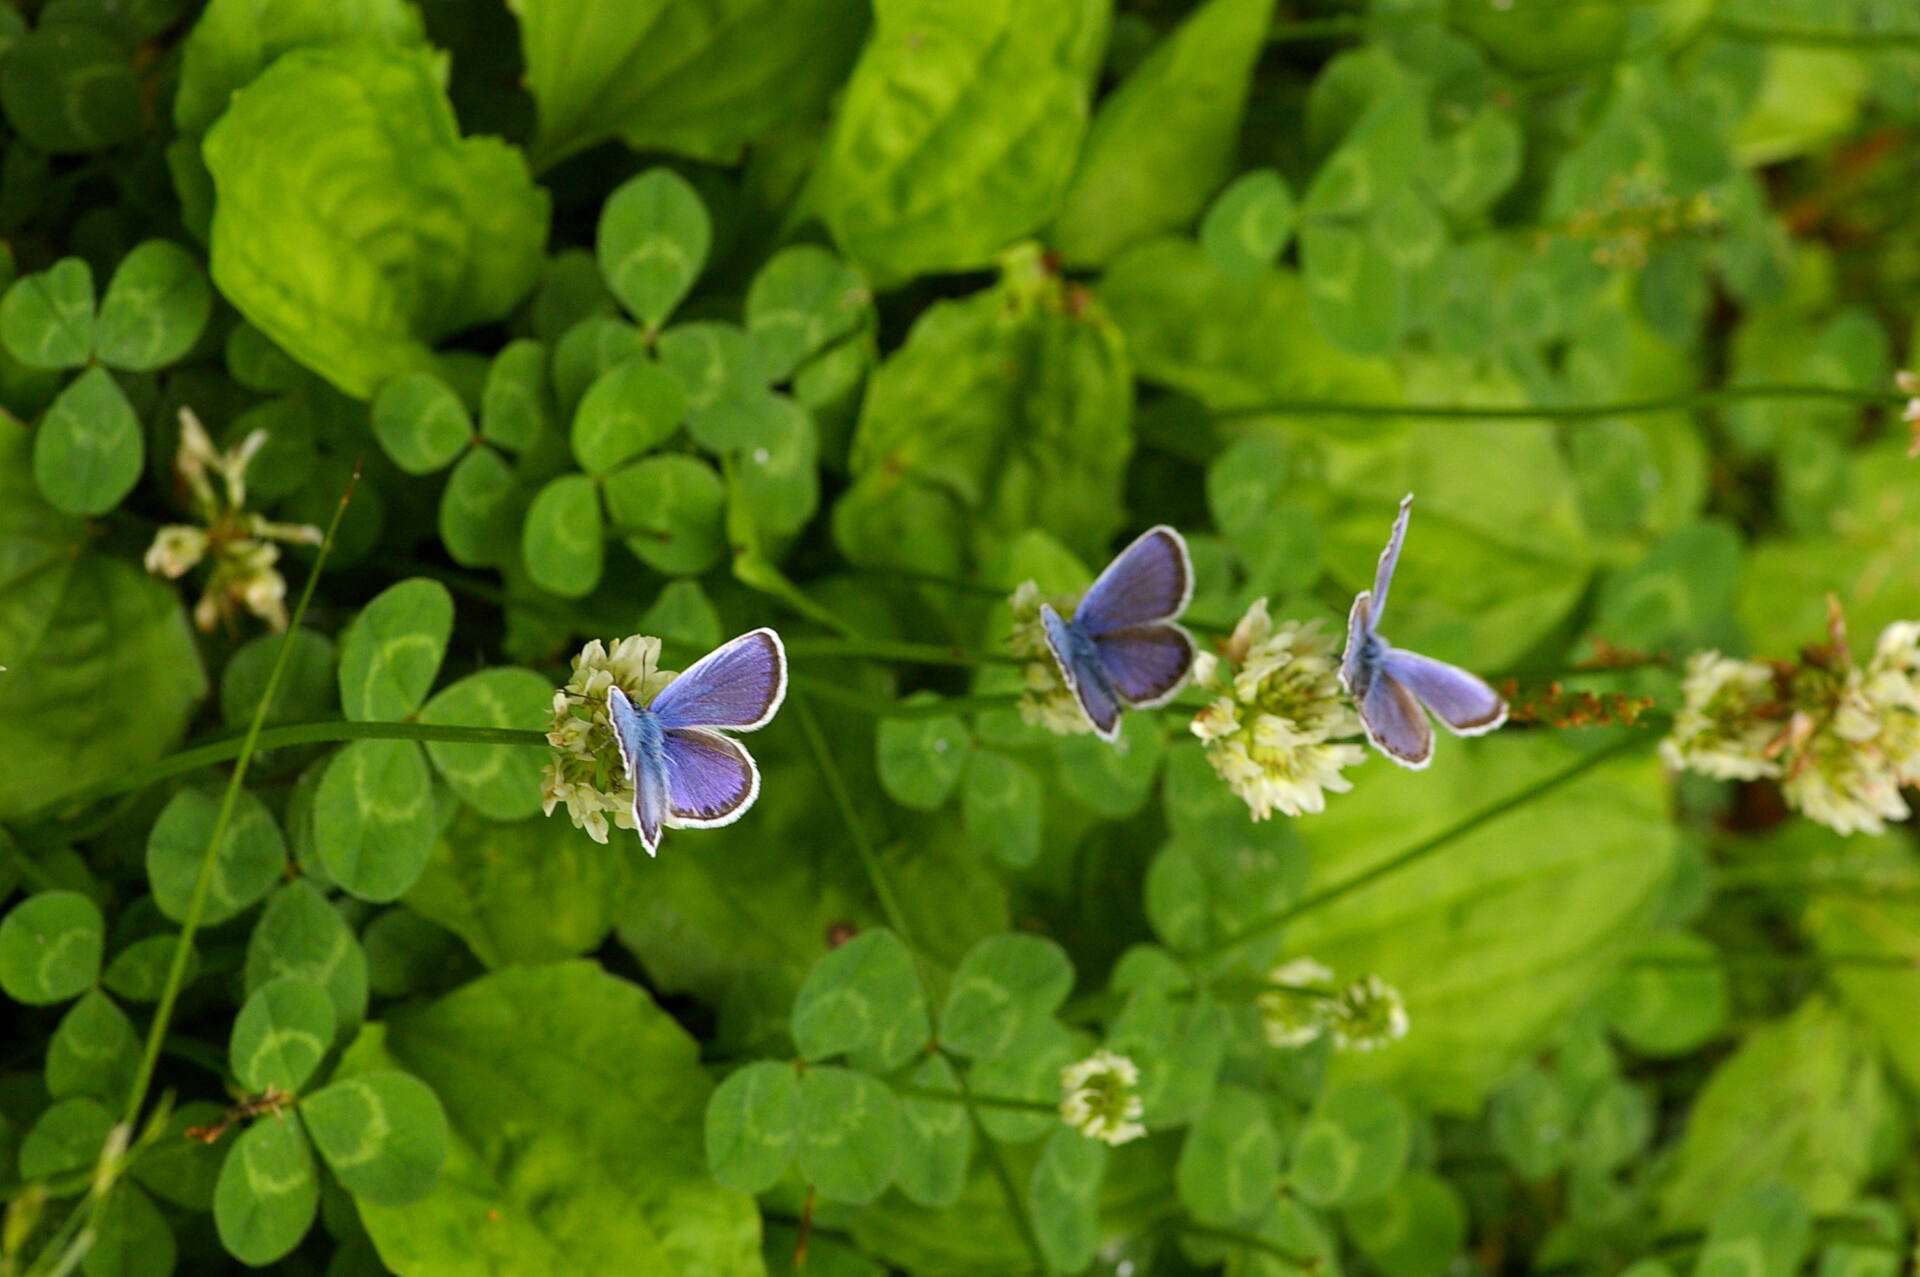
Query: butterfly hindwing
pixel 738 685
pixel 1463 701
pixel 1395 723
pixel 1151 580
pixel 1082 669
pixel 711 779
pixel 1146 664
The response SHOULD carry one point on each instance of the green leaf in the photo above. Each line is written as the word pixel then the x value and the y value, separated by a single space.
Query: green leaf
pixel 1352 1146
pixel 1247 226
pixel 1357 292
pixel 1671 998
pixel 250 859
pixel 1004 987
pixel 281 1034
pixel 391 652
pixel 156 307
pixel 1277 540
pixel 1179 1044
pixel 554 1032
pixel 302 936
pixel 481 510
pixel 1001 806
pixel 268 1192
pixel 1855 922
pixel 374 817
pixel 1798 1103
pixel 562 543
pixel 234 40
pixel 863 997
pixel 1416 1229
pixel 68 88
pixel 50 947
pixel 88 451
pixel 514 403
pixel 135 1239
pixel 1229 1167
pixel 1029 1069
pixel 849 1137
pixel 382 1133
pixel 1766 1231
pixel 180 1170
pixel 802 301
pixel 921 759
pixel 68 1136
pixel 652 243
pixel 500 782
pixel 447 232
pixel 682 613
pixel 774 474
pixel 421 422
pixel 662 77
pixel 752 1122
pixel 1113 779
pixel 1540 38
pixel 139 972
pixel 632 408
pixel 1531 1121
pixel 308 687
pixel 94 1052
pixel 1165 139
pixel 668 509
pixel 46 319
pixel 936 1138
pixel 1064 1192
pixel 519 894
pixel 585 351
pixel 1000 105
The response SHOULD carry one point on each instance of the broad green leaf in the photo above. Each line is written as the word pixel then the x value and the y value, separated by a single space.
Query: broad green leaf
pixel 652 242
pixel 421 422
pixel 849 1136
pixel 481 510
pixel 300 935
pixel 514 407
pixel 309 687
pixel 280 1035
pixel 1765 1231
pixel 70 88
pixel 936 1137
pixel 1531 1120
pixel 1539 36
pixel 1002 805
pixel 94 1052
pixel 501 782
pixel 1356 291
pixel 88 450
pixel 268 1193
pixel 1179 1043
pixel 447 232
pixel 374 817
pixel 1004 987
pixel 156 307
pixel 1163 141
pixel 519 894
pixel 998 95
pixel 1113 779
pixel 921 759
pixel 1798 1103
pixel 135 1239
pixel 139 972
pixel 668 511
pixel 408 955
pixel 68 1136
pixel 46 319
pixel 978 1234
pixel 382 1133
pixel 718 365
pixel 1247 226
pixel 632 408
pixel 1277 540
pixel 1672 996
pixel 682 613
pixel 562 542
pixel 1883 924
pixel 391 652
pixel 752 1122
pixel 1064 1193
pixel 250 858
pixel 802 301
pixel 1416 1229
pixel 234 40
pixel 180 1170
pixel 1617 1126
pixel 50 947
pixel 1029 1069
pixel 701 82
pixel 863 998
pixel 585 351
pixel 562 1193
pixel 1229 1167
pixel 774 478
pixel 1352 1147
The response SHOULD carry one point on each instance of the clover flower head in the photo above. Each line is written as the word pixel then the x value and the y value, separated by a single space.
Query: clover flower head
pixel 1725 727
pixel 1271 730
pixel 1045 699
pixel 1892 686
pixel 1299 1007
pixel 1368 1015
pixel 1099 1097
pixel 585 770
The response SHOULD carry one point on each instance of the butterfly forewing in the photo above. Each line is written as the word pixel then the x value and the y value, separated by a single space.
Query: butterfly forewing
pixel 637 733
pixel 1395 723
pixel 1080 665
pixel 737 686
pixel 1461 700
pixel 1390 558
pixel 1146 664
pixel 711 780
pixel 1151 580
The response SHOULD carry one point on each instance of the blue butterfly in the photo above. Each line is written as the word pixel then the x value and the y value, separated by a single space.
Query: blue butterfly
pixel 685 773
pixel 1122 648
pixel 1390 685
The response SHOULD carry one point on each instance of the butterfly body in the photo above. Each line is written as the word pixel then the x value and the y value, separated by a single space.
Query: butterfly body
pixel 1121 648
pixel 1394 689
pixel 685 772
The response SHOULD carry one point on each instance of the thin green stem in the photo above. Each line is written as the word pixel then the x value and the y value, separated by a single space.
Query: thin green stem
pixel 984 1101
pixel 856 832
pixel 1684 401
pixel 1759 33
pixel 1419 851
pixel 888 707
pixel 997 1163
pixel 1811 962
pixel 895 650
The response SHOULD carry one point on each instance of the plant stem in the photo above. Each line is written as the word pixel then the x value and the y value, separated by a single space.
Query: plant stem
pixel 856 832
pixel 1419 851
pixel 894 650
pixel 984 1101
pixel 1757 33
pixel 887 707
pixel 1686 400
pixel 997 1163
pixel 1812 962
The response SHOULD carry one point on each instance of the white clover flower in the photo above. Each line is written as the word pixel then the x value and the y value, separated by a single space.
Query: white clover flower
pixel 1270 732
pixel 1368 1015
pixel 585 770
pixel 175 550
pixel 1045 699
pixel 1300 1006
pixel 1099 1097
pixel 1721 730
pixel 1893 688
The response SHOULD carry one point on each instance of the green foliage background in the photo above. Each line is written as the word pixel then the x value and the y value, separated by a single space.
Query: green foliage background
pixel 678 317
